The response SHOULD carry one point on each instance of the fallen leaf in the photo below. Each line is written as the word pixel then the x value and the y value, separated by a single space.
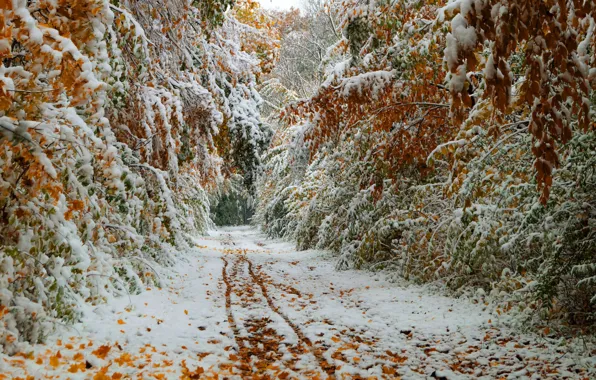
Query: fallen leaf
pixel 102 351
pixel 76 368
pixel 55 360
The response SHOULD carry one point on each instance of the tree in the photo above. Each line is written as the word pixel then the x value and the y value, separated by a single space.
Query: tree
pixel 110 112
pixel 449 142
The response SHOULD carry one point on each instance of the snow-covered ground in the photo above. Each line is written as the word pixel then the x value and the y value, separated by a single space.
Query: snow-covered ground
pixel 243 306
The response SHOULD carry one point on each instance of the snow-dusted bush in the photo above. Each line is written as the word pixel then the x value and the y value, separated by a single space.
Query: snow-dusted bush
pixel 108 112
pixel 447 158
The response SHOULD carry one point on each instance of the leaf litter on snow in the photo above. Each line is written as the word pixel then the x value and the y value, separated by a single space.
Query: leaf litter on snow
pixel 296 318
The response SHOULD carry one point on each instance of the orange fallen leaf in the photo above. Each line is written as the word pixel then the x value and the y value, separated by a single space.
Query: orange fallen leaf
pixel 55 360
pixel 101 375
pixel 76 368
pixel 121 322
pixel 102 351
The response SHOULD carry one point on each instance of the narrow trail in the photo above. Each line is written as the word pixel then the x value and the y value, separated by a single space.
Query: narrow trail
pixel 262 353
pixel 240 306
pixel 258 280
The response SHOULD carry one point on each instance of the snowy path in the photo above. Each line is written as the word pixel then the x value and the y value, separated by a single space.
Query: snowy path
pixel 242 306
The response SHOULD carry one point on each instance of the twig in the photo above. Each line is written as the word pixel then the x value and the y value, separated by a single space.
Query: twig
pixel 33 91
pixel 144 262
pixel 115 279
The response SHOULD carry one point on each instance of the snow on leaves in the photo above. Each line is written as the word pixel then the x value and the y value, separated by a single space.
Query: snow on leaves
pixel 108 114
pixel 449 141
pixel 552 91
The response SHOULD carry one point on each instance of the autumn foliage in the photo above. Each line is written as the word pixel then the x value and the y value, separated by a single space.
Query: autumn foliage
pixel 454 142
pixel 108 117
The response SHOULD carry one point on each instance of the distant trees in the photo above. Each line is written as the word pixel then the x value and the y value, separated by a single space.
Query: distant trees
pixel 303 59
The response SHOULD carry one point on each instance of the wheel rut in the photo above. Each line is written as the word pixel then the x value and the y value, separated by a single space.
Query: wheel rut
pixel 315 351
pixel 262 352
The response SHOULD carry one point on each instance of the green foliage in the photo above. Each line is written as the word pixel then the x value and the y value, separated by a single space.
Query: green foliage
pixel 232 209
pixel 212 11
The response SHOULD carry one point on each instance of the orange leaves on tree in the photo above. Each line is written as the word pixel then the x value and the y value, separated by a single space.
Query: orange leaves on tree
pixel 556 83
pixel 5 95
pixel 74 206
pixel 3 311
pixel 6 4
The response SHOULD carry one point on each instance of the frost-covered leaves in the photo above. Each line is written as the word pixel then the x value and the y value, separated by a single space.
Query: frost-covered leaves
pixel 65 191
pixel 239 54
pixel 107 121
pixel 550 87
pixel 496 197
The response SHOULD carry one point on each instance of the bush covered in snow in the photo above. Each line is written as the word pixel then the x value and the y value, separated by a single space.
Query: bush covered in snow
pixel 109 117
pixel 453 142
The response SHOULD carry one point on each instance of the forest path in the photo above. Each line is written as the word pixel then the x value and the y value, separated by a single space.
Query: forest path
pixel 241 306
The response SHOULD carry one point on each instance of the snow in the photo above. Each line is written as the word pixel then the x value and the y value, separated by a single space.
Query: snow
pixel 465 35
pixel 317 319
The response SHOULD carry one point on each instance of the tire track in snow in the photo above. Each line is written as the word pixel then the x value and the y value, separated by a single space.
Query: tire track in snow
pixel 244 365
pixel 315 351
pixel 260 351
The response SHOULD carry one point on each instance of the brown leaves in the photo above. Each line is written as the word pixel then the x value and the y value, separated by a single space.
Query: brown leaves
pixel 74 206
pixel 3 311
pixel 102 351
pixel 74 368
pixel 5 95
pixel 6 4
pixel 547 40
pixel 190 375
